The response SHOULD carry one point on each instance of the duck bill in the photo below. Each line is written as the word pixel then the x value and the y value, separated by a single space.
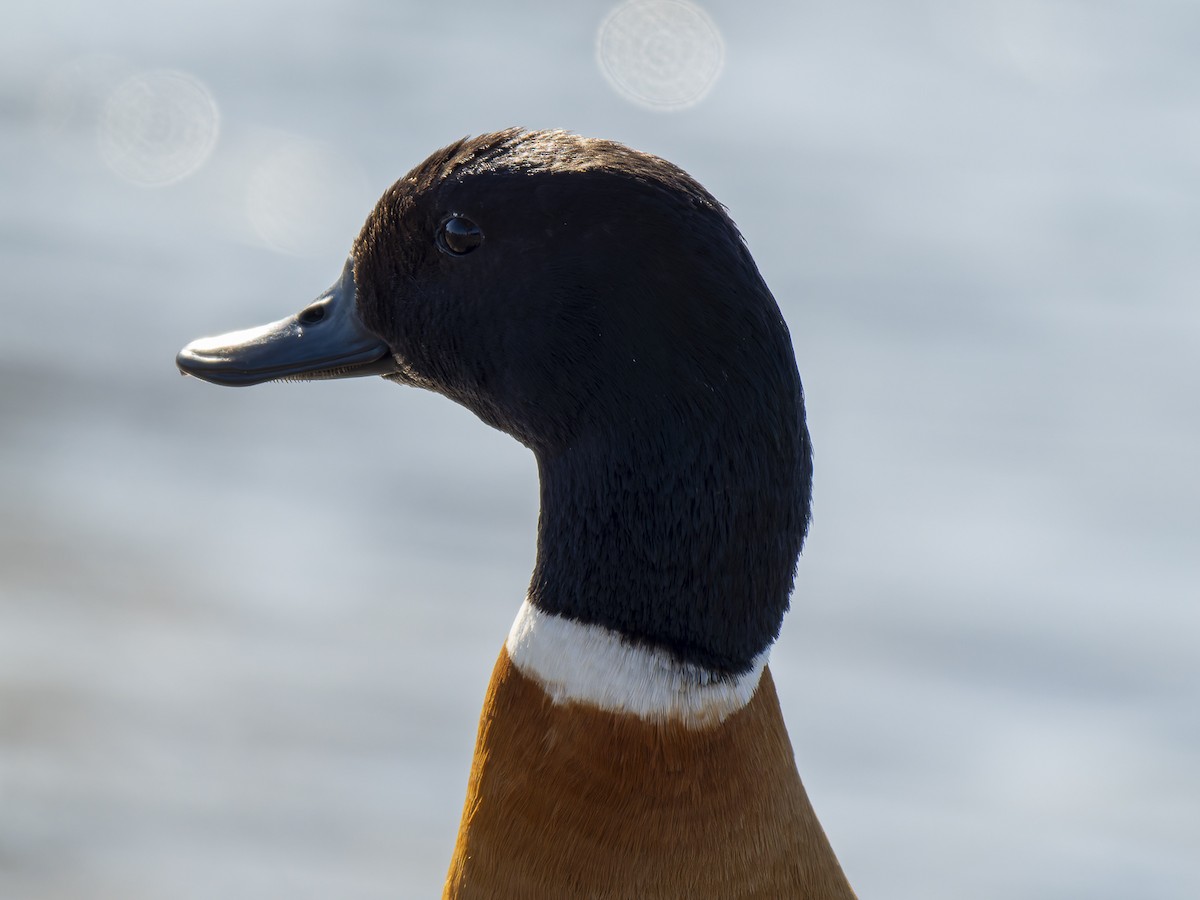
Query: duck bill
pixel 324 340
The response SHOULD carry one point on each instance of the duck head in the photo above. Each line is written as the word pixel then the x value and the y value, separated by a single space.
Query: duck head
pixel 599 305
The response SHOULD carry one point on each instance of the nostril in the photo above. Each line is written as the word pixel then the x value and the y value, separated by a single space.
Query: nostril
pixel 312 315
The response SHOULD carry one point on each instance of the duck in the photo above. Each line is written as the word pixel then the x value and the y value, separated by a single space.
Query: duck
pixel 600 306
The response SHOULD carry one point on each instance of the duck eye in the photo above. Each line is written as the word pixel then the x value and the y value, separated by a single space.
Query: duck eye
pixel 459 236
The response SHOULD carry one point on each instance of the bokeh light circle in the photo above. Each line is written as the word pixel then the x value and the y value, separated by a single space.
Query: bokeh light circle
pixel 660 54
pixel 158 128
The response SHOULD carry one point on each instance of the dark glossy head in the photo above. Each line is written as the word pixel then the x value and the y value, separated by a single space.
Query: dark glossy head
pixel 596 284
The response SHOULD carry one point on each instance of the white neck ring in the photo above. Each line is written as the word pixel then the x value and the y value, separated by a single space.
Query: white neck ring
pixel 596 666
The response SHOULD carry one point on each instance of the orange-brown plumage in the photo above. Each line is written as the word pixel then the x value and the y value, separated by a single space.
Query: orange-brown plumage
pixel 566 800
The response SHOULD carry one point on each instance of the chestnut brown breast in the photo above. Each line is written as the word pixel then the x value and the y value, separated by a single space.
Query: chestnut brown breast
pixel 567 800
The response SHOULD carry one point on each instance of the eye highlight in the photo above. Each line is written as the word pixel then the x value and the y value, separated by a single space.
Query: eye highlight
pixel 458 236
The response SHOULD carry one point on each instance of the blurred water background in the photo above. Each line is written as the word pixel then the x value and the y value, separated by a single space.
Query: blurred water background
pixel 244 635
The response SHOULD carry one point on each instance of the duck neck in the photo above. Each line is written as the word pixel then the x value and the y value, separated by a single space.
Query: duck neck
pixel 681 536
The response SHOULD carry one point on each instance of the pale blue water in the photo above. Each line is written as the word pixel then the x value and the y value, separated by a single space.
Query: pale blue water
pixel 244 635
